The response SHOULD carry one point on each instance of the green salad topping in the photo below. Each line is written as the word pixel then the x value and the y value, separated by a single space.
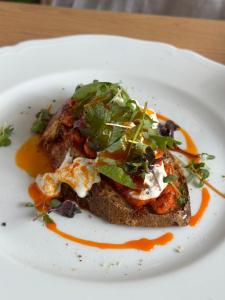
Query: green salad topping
pixel 116 123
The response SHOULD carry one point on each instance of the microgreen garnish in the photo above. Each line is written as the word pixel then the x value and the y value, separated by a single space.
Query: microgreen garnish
pixel 181 201
pixel 168 128
pixel 181 198
pixel 29 204
pixel 54 203
pixel 140 126
pixel 5 133
pixel 198 171
pixel 206 156
pixel 169 178
pixel 42 119
pixel 47 220
pixel 67 209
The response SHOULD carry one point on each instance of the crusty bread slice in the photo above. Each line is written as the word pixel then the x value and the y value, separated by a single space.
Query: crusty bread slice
pixel 103 200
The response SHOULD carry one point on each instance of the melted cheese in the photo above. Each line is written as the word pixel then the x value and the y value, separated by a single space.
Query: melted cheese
pixel 80 175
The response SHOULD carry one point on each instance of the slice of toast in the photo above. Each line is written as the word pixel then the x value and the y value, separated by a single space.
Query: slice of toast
pixel 103 200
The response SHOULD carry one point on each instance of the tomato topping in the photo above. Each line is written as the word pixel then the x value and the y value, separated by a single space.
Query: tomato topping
pixel 166 201
pixel 76 137
pixel 89 152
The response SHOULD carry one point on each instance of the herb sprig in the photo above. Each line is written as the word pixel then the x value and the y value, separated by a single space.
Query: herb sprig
pixel 199 171
pixel 41 122
pixel 5 134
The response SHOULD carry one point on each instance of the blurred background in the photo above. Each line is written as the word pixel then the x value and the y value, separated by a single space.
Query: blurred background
pixel 209 9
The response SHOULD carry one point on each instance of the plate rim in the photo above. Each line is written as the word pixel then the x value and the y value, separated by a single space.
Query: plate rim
pixel 13 49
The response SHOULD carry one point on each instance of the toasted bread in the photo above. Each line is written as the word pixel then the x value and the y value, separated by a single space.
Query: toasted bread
pixel 103 200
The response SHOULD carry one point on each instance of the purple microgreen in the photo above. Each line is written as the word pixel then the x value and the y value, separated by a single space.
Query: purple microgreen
pixel 68 209
pixel 168 128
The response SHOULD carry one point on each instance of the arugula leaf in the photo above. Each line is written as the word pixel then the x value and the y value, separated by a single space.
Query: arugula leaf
pixel 41 122
pixel 116 135
pixel 164 142
pixel 5 133
pixel 117 174
pixel 95 92
pixel 132 167
pixel 169 178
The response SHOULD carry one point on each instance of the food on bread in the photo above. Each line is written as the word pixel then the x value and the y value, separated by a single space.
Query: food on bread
pixel 110 157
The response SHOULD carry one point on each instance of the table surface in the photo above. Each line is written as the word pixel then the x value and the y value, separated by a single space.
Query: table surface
pixel 19 22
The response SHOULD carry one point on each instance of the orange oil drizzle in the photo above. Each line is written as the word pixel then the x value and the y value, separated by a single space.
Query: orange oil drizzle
pixel 144 244
pixel 141 244
pixel 32 159
pixel 204 204
pixel 40 200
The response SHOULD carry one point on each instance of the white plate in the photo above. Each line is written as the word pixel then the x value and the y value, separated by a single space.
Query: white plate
pixel 35 263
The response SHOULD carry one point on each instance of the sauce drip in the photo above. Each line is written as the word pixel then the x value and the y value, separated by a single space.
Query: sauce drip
pixel 32 159
pixel 204 204
pixel 40 199
pixel 144 244
pixel 141 244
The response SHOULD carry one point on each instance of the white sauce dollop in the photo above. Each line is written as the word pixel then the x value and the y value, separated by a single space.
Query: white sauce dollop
pixel 80 175
pixel 154 185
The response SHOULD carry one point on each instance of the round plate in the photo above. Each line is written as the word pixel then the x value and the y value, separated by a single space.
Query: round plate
pixel 187 88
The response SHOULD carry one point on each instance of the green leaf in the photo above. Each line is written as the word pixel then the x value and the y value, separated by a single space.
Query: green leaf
pixel 169 178
pixel 181 201
pixel 206 156
pixel 131 167
pixel 5 133
pixel 190 177
pixel 29 204
pixel 117 174
pixel 198 165
pixel 47 219
pixel 94 92
pixel 116 135
pixel 55 203
pixel 38 126
pixel 198 183
pixel 198 172
pixel 164 142
pixel 204 173
pixel 41 122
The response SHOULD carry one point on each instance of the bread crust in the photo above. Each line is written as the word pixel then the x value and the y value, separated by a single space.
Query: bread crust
pixel 103 200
